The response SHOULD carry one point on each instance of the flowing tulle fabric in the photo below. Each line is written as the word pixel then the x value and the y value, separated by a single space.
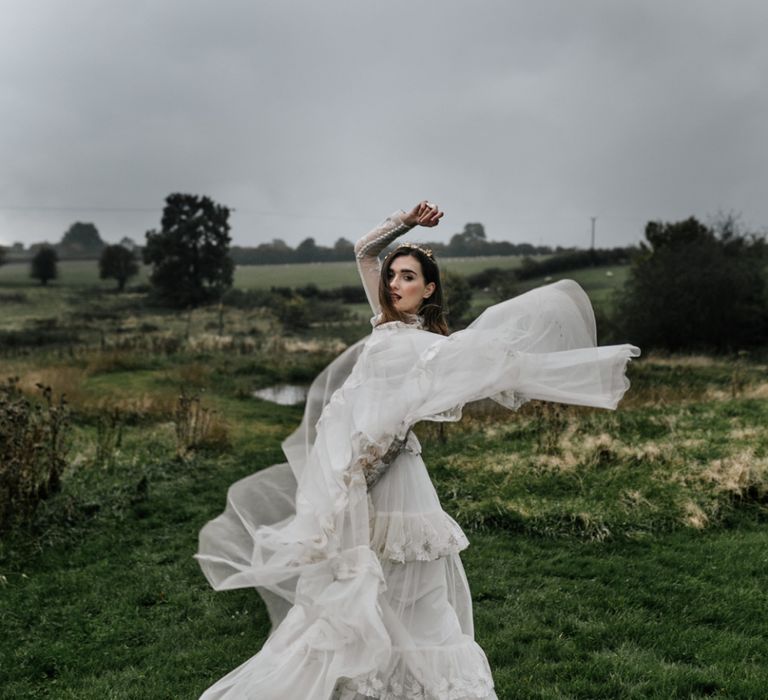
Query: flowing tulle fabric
pixel 364 586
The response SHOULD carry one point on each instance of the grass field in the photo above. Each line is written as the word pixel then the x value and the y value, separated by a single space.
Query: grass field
pixel 613 555
pixel 81 273
pixel 25 302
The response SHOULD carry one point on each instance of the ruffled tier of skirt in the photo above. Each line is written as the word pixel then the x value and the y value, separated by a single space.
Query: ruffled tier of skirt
pixel 450 672
pixel 411 601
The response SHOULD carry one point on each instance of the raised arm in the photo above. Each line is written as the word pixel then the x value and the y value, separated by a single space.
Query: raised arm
pixel 367 249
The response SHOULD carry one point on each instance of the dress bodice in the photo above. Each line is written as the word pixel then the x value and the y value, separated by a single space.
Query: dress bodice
pixel 412 321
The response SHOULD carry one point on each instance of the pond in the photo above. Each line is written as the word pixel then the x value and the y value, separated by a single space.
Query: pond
pixel 283 394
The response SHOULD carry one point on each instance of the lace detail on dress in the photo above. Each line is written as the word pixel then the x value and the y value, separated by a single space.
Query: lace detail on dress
pixel 375 242
pixel 414 321
pixel 402 537
pixel 374 462
pixel 368 248
pixel 400 683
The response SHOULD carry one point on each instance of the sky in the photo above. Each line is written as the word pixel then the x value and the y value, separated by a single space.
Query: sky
pixel 318 119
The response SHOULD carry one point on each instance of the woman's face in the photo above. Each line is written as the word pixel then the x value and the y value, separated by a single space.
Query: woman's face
pixel 407 285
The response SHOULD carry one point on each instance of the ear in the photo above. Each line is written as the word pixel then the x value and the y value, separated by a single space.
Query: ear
pixel 428 290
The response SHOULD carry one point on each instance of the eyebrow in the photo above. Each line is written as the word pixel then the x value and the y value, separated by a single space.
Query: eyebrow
pixel 404 269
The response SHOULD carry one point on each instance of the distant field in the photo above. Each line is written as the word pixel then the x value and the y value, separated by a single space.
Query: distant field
pixel 324 275
pixel 76 278
pixel 84 273
pixel 599 282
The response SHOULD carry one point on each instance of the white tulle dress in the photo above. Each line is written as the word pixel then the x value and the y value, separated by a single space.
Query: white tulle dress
pixel 347 542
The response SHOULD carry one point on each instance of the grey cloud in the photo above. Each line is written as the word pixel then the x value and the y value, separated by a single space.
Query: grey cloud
pixel 320 118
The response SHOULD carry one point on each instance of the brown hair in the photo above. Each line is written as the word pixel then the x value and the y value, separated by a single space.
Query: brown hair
pixel 431 309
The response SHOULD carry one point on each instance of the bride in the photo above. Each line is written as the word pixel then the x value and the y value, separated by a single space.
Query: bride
pixel 346 542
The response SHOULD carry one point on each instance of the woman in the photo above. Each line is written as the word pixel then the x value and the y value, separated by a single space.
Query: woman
pixel 346 542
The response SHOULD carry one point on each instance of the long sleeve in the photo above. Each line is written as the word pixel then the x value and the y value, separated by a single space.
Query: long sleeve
pixel 367 251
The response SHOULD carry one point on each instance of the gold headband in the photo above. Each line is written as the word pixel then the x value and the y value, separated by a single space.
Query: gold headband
pixel 426 251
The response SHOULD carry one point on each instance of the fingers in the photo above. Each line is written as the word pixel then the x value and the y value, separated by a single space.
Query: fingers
pixel 421 207
pixel 430 214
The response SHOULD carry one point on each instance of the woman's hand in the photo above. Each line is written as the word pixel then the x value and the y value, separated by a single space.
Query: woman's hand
pixel 423 214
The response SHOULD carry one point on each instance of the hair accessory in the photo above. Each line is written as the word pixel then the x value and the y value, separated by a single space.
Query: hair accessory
pixel 427 251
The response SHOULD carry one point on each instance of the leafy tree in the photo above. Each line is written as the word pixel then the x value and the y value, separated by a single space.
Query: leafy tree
pixel 190 254
pixel 307 251
pixel 344 248
pixel 82 239
pixel 2 255
pixel 470 241
pixel 693 287
pixel 118 263
pixel 45 265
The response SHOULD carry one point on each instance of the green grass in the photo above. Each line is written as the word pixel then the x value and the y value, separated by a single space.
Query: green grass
pixel 614 555
pixel 123 612
pixel 674 617
pixel 71 273
pixel 580 591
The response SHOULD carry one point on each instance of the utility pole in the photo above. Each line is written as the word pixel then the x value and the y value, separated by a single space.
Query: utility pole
pixel 594 218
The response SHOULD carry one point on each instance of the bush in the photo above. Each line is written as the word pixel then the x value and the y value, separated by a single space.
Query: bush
pixel 572 260
pixel 293 313
pixel 692 287
pixel 457 298
pixel 248 298
pixel 118 263
pixel 44 266
pixel 33 447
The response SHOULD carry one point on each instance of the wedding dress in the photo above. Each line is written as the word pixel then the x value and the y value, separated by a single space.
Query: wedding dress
pixel 347 542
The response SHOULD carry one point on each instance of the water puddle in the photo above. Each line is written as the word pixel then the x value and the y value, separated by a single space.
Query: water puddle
pixel 283 394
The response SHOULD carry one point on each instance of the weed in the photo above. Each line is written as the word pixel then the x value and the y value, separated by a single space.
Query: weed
pixel 33 448
pixel 197 427
pixel 109 437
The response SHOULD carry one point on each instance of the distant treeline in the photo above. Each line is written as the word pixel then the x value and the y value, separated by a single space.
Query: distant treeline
pixel 470 243
pixel 82 241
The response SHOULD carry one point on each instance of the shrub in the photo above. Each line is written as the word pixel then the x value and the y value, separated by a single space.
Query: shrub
pixel 692 287
pixel 573 259
pixel 118 263
pixel 33 448
pixel 44 266
pixel 293 313
pixel 457 298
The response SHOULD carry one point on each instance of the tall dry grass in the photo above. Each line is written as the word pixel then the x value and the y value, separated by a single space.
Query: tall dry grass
pixel 198 427
pixel 34 439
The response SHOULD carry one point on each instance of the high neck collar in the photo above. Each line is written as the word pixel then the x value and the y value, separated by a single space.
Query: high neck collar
pixel 411 321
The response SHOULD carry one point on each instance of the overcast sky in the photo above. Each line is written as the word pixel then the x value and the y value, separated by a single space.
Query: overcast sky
pixel 318 118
